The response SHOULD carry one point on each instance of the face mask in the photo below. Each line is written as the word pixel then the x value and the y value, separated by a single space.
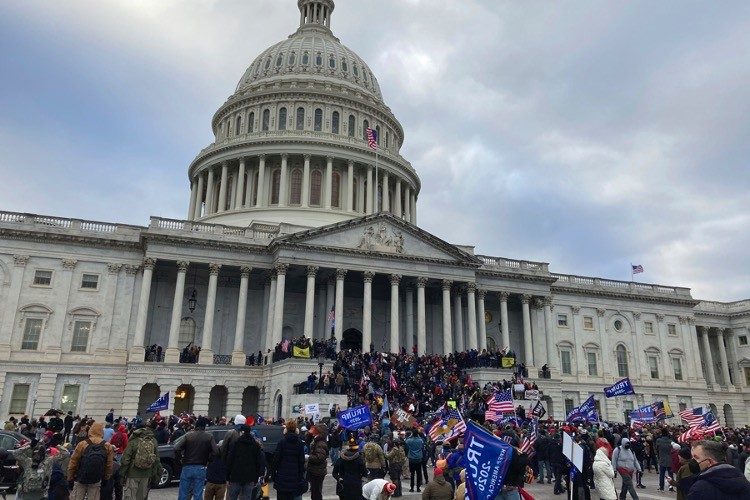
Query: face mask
pixel 626 446
pixel 693 466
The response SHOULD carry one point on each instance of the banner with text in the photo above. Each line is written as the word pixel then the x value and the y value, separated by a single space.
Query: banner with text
pixel 402 417
pixel 620 388
pixel 355 418
pixel 487 459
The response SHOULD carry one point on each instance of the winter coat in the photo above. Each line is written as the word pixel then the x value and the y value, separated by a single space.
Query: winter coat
pixel 95 436
pixel 348 472
pixel 120 439
pixel 604 476
pixel 373 489
pixel 622 457
pixel 747 469
pixel 374 456
pixel 317 462
pixel 542 447
pixel 290 465
pixel 127 469
pixel 663 447
pixel 438 489
pixel 720 482
pixel 414 446
pixel 396 461
pixel 246 461
pixel 685 479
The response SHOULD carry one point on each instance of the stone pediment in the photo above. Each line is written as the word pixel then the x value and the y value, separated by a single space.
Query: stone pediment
pixel 381 234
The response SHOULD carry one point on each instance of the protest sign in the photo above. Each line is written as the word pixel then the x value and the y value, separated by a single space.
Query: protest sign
pixel 312 408
pixel 355 418
pixel 487 459
pixel 404 418
pixel 532 394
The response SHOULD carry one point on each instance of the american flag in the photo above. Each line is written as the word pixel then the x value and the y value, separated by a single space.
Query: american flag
pixel 693 416
pixel 637 268
pixel 710 424
pixel 392 382
pixel 692 434
pixel 447 426
pixel 528 442
pixel 499 403
pixel 372 138
pixel 659 411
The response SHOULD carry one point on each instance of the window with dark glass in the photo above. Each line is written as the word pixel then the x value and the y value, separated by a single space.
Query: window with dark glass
pixel 335 188
pixel 622 361
pixel 292 59
pixel 266 119
pixel 318 120
pixel 319 59
pixel 335 122
pixel 279 60
pixel 295 197
pixel 300 118
pixel 238 126
pixel 275 182
pixel 305 58
pixel 316 180
pixel 282 119
pixel 352 125
pixel 251 122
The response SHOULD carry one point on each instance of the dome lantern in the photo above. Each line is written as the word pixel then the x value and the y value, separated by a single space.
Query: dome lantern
pixel 315 13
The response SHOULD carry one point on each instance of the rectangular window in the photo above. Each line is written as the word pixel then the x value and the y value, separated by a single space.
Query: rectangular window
pixel 90 281
pixel 588 322
pixel 628 405
pixel 653 365
pixel 742 339
pixel 591 359
pixel 682 406
pixel 81 331
pixel 42 277
pixel 569 405
pixel 19 399
pixel 32 331
pixel 677 367
pixel 672 329
pixel 565 362
pixel 69 398
pixel 747 375
pixel 562 320
pixel 648 327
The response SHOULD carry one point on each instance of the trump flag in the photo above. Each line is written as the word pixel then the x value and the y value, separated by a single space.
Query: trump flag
pixel 487 460
pixel 620 388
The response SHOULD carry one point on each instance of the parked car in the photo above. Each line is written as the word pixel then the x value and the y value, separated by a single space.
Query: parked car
pixel 11 440
pixel 170 460
pixel 10 472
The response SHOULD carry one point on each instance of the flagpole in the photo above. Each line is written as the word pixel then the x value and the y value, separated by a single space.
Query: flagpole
pixel 377 190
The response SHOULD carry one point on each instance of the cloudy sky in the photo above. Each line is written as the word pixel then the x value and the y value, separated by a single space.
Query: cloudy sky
pixel 584 134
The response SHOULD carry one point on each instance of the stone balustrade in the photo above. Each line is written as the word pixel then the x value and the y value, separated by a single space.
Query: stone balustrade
pixel 254 231
pixel 587 282
pixel 43 222
pixel 514 264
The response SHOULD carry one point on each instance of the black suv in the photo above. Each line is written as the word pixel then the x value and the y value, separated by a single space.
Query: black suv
pixel 170 461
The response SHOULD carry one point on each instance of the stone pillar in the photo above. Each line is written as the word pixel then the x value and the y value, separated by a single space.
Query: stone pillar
pixel 210 192
pixel 249 191
pixel 407 203
pixel 397 202
pixel 504 332
pixel 350 187
pixel 306 183
pixel 637 352
pixel 409 315
pixel 239 200
pixel 261 189
pixel 414 209
pixel 193 196
pixel 283 181
pixel 339 326
pixel 690 368
pixel 223 188
pixel 549 337
pixel 207 354
pixel 481 294
pixel 199 199
pixel 238 355
pixel 138 352
pixel 329 181
pixel 421 318
pixel 447 339
pixel 367 311
pixel 386 194
pixel 693 339
pixel 172 354
pixel 278 310
pixel 710 377
pixel 471 312
pixel 330 305
pixel 528 346
pixel 270 313
pixel 458 322
pixel 395 280
pixel 310 301
pixel 370 191
pixel 724 361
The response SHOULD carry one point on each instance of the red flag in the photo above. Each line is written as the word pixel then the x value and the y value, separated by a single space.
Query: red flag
pixel 392 381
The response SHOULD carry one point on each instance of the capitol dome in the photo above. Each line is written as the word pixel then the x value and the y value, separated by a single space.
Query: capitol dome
pixel 291 143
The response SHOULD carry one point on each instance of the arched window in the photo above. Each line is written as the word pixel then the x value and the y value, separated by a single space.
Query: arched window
pixel 355 69
pixel 316 180
pixel 319 59
pixel 275 181
pixel 344 66
pixel 238 125
pixel 335 122
pixel 365 126
pixel 352 125
pixel 280 60
pixel 229 128
pixel 266 119
pixel 300 118
pixel 364 76
pixel 187 332
pixel 335 188
pixel 387 137
pixel 296 187
pixel 251 122
pixel 282 119
pixel 377 130
pixel 332 62
pixel 292 58
pixel 622 361
pixel 305 58
pixel 268 63
pixel 318 120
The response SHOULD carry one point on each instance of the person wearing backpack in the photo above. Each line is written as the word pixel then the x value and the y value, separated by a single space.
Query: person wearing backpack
pixel 90 464
pixel 140 465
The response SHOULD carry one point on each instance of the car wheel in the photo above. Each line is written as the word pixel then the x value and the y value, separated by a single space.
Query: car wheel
pixel 166 476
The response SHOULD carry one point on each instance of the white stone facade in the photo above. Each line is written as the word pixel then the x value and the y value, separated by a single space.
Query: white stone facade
pixel 305 232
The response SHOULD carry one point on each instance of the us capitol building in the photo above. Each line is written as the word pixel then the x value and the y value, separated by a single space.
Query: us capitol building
pixel 288 220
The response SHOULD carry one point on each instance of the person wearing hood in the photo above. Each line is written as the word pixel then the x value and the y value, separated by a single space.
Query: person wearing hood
pixel 717 480
pixel 246 464
pixel 140 465
pixel 89 467
pixel 119 439
pixel 438 488
pixel 349 471
pixel 289 461
pixel 317 462
pixel 626 464
pixel 604 475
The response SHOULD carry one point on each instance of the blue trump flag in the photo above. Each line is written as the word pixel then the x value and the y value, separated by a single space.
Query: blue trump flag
pixel 160 404
pixel 355 418
pixel 487 459
pixel 645 414
pixel 620 388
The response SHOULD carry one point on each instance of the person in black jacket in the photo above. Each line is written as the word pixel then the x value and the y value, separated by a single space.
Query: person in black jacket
pixel 349 471
pixel 718 480
pixel 67 426
pixel 289 461
pixel 541 447
pixel 246 464
pixel 558 462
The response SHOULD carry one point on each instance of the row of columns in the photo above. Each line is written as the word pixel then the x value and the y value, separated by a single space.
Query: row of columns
pixel 705 332
pixel 202 200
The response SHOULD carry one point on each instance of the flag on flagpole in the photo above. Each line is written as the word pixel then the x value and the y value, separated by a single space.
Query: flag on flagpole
pixel 372 138
pixel 392 382
pixel 160 404
pixel 636 268
pixel 499 403
pixel 693 416
pixel 528 442
pixel 386 407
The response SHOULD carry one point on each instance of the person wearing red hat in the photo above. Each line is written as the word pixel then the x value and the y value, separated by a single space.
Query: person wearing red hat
pixel 378 489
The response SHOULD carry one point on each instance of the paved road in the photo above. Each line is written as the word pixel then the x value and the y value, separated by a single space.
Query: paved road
pixel 540 491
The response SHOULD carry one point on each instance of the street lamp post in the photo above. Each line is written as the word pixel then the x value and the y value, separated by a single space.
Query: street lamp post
pixel 321 360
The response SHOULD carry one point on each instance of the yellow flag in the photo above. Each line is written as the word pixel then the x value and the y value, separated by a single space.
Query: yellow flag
pixel 299 352
pixel 508 362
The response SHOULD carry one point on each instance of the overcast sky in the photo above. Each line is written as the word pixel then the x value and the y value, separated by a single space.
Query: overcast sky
pixel 584 134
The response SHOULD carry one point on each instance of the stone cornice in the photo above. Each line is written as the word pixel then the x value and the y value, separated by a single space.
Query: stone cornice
pixel 517 276
pixel 42 236
pixel 186 240
pixel 591 292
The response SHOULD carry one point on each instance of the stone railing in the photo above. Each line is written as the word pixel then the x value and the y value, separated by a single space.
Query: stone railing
pixel 85 226
pixel 569 280
pixel 513 264
pixel 222 359
pixel 723 307
pixel 255 231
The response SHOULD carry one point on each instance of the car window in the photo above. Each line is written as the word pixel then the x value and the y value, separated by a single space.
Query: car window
pixel 7 442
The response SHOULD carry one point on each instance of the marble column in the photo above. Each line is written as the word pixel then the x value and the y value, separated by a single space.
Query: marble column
pixel 172 354
pixel 223 187
pixel 471 313
pixel 414 209
pixel 724 361
pixel 690 368
pixel 395 280
pixel 283 181
pixel 549 336
pixel 421 317
pixel 481 294
pixel 240 198
pixel 306 182
pixel 409 316
pixel 330 305
pixel 350 187
pixel 199 199
pixel 458 322
pixel 249 191
pixel 278 314
pixel 709 358
pixel 261 189
pixel 270 313
pixel 329 182
pixel 693 339
pixel 339 326
pixel 504 331
pixel 207 354
pixel 138 351
pixel 407 203
pixel 447 338
pixel 320 323
pixel 369 205
pixel 528 346
pixel 210 193
pixel 238 354
pixel 397 201
pixel 386 194
pixel 193 196
pixel 367 311
pixel 310 301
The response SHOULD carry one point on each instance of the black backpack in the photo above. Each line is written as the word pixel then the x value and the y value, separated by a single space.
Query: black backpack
pixel 93 461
